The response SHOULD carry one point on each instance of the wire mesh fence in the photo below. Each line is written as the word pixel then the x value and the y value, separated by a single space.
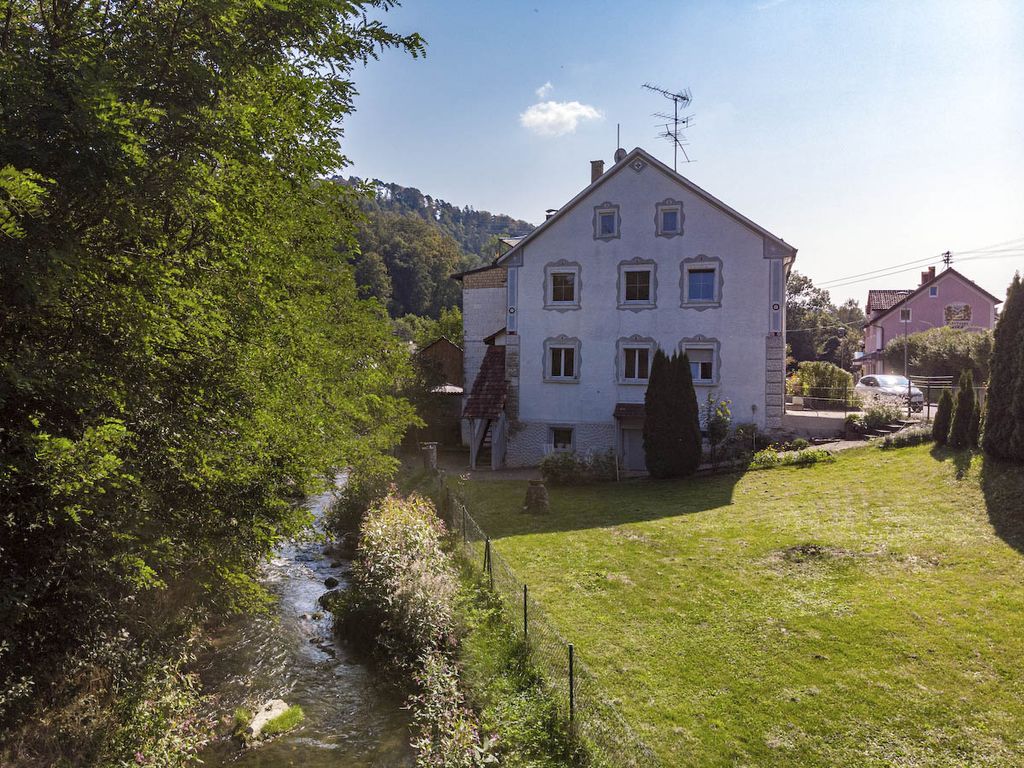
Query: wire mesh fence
pixel 593 716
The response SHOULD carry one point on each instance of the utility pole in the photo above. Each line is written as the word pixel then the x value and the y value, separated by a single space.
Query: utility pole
pixel 905 317
pixel 947 258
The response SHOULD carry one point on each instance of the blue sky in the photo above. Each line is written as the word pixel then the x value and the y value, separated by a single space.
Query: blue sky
pixel 866 134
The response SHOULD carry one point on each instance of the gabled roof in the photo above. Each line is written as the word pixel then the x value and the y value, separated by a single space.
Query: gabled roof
pixel 884 299
pixel 908 295
pixel 487 400
pixel 439 341
pixel 678 178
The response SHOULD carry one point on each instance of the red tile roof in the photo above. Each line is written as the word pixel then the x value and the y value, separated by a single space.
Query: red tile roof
pixel 629 411
pixel 879 301
pixel 490 389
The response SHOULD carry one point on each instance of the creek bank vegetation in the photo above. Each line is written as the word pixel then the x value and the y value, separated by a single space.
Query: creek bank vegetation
pixel 185 353
pixel 436 631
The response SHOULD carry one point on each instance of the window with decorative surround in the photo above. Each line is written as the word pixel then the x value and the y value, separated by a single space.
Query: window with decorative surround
pixel 704 355
pixel 562 285
pixel 701 282
pixel 562 360
pixel 668 218
pixel 634 355
pixel 606 221
pixel 638 284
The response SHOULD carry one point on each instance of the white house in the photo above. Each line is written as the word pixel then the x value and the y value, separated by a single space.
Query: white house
pixel 560 330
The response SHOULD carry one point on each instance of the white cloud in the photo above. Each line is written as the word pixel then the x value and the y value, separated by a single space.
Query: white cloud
pixel 557 118
pixel 545 90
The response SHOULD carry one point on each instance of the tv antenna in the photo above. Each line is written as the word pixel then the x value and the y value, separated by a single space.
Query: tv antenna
pixel 674 124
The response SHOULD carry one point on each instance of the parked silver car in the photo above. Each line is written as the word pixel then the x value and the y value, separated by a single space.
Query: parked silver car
pixel 889 388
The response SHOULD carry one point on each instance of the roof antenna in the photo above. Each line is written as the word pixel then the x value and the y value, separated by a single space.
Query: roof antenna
pixel 677 123
pixel 619 151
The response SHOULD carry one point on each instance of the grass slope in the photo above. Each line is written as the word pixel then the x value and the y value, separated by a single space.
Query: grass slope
pixel 866 612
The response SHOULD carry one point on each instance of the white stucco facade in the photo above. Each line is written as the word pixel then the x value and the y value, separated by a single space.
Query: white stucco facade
pixel 739 327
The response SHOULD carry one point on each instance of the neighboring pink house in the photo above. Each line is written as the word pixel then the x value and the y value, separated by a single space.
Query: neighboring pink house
pixel 947 298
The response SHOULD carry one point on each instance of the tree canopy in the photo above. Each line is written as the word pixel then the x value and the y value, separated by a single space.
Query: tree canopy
pixel 818 329
pixel 184 353
pixel 942 352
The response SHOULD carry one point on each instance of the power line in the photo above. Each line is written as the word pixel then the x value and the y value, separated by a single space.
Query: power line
pixel 826 283
pixel 996 250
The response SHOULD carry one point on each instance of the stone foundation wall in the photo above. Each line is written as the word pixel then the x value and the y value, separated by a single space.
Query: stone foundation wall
pixel 527 439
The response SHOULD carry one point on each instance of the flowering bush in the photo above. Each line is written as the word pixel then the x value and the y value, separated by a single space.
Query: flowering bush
pixel 403 583
pixel 446 733
pixel 881 415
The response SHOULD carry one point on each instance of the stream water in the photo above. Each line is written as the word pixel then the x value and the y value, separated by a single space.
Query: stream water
pixel 352 720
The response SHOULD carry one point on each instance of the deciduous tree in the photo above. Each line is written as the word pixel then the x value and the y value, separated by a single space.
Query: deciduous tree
pixel 184 354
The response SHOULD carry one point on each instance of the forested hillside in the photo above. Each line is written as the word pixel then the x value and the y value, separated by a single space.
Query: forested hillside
pixel 473 230
pixel 409 245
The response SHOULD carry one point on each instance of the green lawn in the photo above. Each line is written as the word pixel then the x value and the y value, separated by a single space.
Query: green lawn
pixel 866 612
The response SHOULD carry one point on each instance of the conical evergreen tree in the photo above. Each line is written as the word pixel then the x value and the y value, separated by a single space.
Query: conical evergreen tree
pixel 1016 415
pixel 963 412
pixel 1004 417
pixel 688 423
pixel 940 427
pixel 658 443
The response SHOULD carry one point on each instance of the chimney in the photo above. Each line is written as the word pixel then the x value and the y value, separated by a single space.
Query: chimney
pixel 926 276
pixel 596 169
pixel 549 213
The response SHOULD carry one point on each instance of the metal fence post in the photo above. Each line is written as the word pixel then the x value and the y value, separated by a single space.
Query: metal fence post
pixel 572 686
pixel 487 561
pixel 464 538
pixel 928 402
pixel 526 622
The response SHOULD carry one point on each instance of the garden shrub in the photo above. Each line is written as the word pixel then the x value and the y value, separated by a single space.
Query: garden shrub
pixel 570 468
pixel 805 458
pixel 799 444
pixel 943 415
pixel 446 732
pixel 824 385
pixel 908 437
pixel 403 583
pixel 561 468
pixel 881 414
pixel 768 457
pixel 964 412
pixel 717 420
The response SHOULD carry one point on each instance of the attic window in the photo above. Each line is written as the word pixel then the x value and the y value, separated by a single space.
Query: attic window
pixel 607 225
pixel 606 221
pixel 668 218
pixel 933 291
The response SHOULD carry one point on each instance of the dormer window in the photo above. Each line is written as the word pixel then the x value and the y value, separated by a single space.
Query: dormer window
pixel 606 221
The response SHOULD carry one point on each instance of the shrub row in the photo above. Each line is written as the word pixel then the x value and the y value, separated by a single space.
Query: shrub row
pixel 907 437
pixel 769 457
pixel 571 468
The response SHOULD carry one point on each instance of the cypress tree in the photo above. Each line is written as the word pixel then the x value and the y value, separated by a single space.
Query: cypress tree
pixel 940 427
pixel 689 450
pixel 963 413
pixel 1004 414
pixel 658 448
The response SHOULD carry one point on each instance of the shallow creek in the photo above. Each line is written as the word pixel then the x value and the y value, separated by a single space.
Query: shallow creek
pixel 352 720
